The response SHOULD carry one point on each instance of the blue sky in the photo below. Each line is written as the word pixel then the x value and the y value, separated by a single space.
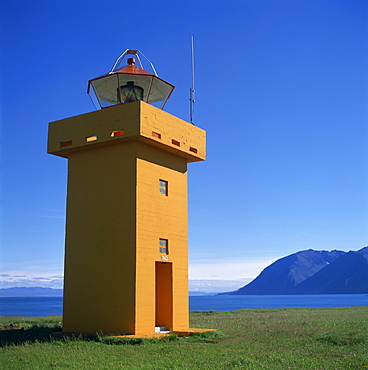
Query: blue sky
pixel 281 89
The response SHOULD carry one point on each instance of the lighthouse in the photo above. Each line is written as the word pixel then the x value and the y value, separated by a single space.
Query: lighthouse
pixel 126 242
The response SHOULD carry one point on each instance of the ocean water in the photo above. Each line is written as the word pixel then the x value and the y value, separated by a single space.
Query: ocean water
pixel 31 306
pixel 47 306
pixel 238 302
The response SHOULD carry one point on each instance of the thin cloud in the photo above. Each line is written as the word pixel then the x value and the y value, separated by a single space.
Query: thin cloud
pixel 15 281
pixel 216 286
pixel 228 270
pixel 204 275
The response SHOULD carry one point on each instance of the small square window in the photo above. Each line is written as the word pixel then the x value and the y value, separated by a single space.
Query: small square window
pixel 164 244
pixel 117 133
pixel 91 138
pixel 65 143
pixel 163 187
pixel 156 134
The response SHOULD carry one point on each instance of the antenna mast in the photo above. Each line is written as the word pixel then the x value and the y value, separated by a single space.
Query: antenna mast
pixel 191 96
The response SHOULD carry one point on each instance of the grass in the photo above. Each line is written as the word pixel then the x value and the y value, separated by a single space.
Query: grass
pixel 329 338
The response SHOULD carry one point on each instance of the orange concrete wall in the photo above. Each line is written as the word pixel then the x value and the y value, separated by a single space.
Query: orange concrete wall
pixel 161 216
pixel 138 121
pixel 100 254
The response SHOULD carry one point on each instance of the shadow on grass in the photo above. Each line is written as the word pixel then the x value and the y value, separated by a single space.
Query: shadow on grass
pixel 206 337
pixel 43 333
pixel 36 333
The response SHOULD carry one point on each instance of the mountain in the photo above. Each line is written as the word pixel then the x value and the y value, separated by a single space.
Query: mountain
pixel 282 276
pixel 347 274
pixel 31 292
pixel 313 272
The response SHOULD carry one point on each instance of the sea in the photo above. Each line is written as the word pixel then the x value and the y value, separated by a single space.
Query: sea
pixel 49 306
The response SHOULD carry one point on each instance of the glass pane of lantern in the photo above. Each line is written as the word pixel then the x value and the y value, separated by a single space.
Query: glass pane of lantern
pixel 105 89
pixel 160 91
pixel 129 93
pixel 142 81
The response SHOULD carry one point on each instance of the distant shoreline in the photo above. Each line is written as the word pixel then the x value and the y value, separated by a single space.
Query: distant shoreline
pixel 30 292
pixel 25 292
pixel 34 292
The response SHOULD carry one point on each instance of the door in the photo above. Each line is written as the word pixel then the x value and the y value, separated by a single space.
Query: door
pixel 164 295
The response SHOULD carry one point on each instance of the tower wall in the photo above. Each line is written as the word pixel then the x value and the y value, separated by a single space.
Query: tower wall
pixel 161 216
pixel 100 248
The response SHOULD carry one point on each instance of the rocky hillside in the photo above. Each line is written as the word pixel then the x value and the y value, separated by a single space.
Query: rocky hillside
pixel 313 272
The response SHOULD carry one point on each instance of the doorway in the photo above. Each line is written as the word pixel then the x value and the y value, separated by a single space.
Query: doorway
pixel 164 295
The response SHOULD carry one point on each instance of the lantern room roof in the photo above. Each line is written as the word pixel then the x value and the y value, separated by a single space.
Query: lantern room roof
pixel 129 69
pixel 134 70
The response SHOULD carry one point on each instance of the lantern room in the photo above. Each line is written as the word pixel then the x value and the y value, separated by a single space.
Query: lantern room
pixel 130 83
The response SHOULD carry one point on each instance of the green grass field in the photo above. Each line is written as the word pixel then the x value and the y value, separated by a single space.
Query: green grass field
pixel 330 338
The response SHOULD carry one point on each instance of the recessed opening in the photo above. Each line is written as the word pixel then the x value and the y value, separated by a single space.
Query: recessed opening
pixel 164 246
pixel 163 187
pixel 175 142
pixel 66 143
pixel 164 295
pixel 91 138
pixel 117 133
pixel 156 134
pixel 194 150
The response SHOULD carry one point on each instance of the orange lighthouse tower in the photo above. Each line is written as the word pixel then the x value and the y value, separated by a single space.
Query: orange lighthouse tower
pixel 126 247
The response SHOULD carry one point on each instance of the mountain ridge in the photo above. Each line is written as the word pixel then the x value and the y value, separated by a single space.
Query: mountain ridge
pixel 312 272
pixel 350 272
